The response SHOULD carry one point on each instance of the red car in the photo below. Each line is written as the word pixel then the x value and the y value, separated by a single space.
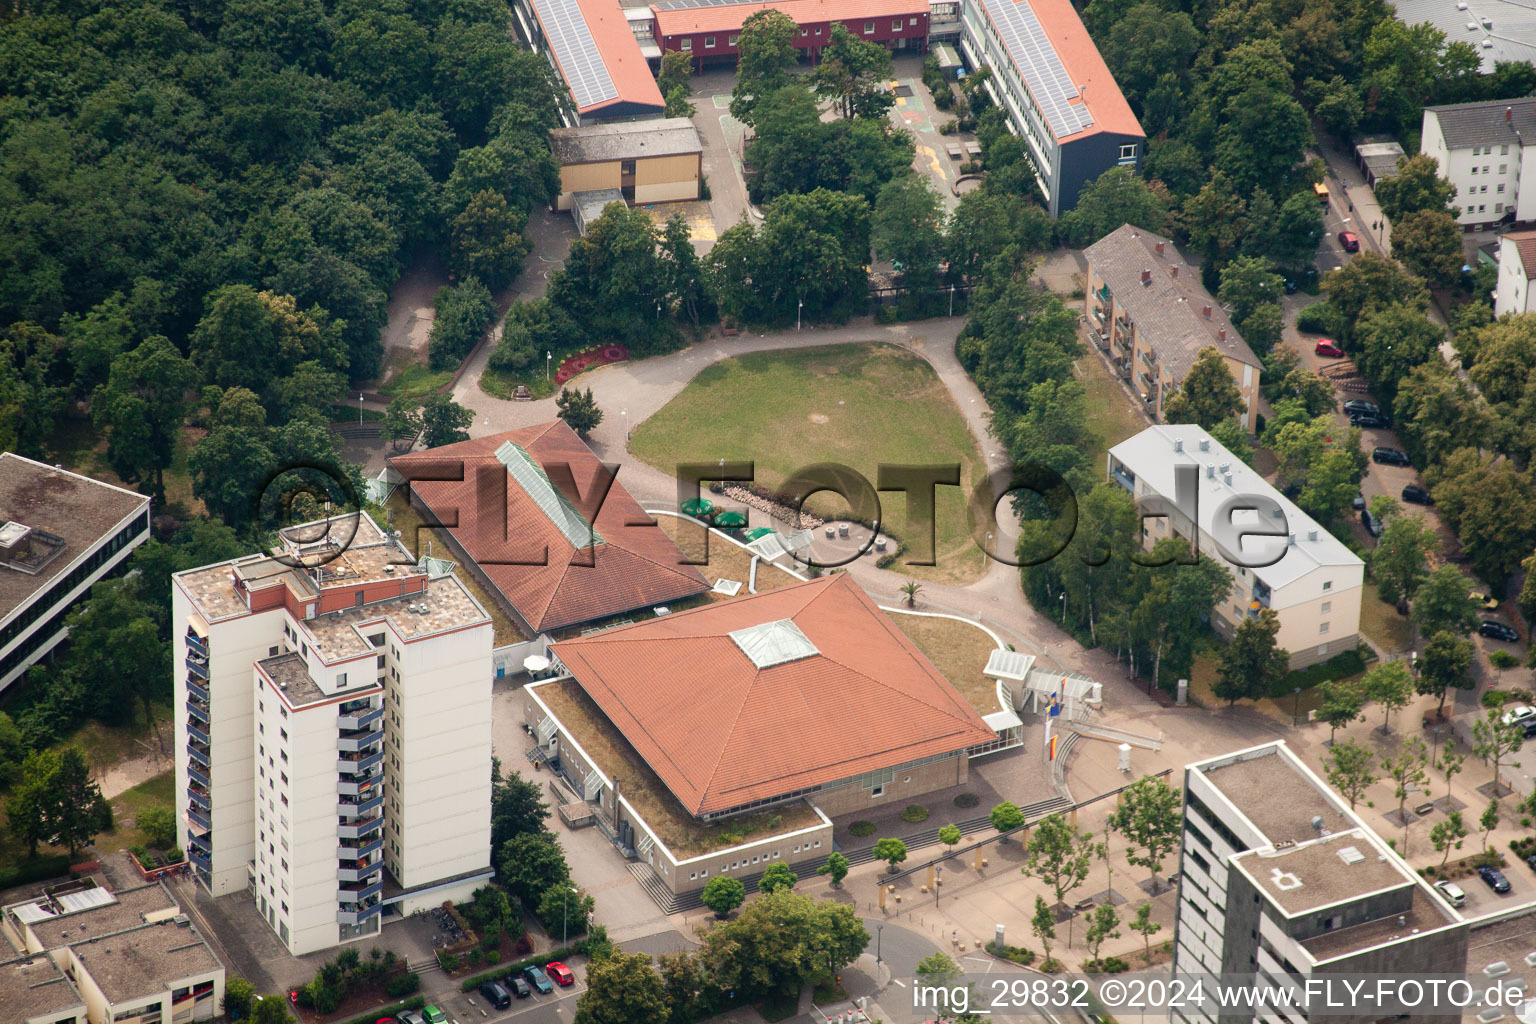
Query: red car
pixel 1348 240
pixel 561 973
pixel 1324 347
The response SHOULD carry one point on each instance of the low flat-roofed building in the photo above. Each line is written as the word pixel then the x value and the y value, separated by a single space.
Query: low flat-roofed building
pixel 1314 587
pixel 647 161
pixel 530 542
pixel 1377 157
pixel 730 705
pixel 595 52
pixel 1281 881
pixel 60 532
pixel 1151 315
pixel 124 957
pixel 34 991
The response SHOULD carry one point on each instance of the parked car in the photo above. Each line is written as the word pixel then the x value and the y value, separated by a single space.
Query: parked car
pixel 1373 526
pixel 1498 631
pixel 432 1015
pixel 1484 602
pixel 1453 893
pixel 1495 879
pixel 1357 502
pixel 498 997
pixel 1356 406
pixel 1369 420
pixel 1390 456
pixel 1350 241
pixel 1519 714
pixel 1530 862
pixel 536 977
pixel 519 986
pixel 1418 496
pixel 408 1017
pixel 1324 347
pixel 561 973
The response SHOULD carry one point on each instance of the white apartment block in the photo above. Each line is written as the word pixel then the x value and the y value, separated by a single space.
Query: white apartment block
pixel 60 532
pixel 1517 266
pixel 1280 881
pixel 1058 93
pixel 333 731
pixel 1481 148
pixel 1315 585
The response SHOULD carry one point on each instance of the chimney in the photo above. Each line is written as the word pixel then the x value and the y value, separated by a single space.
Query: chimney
pixel 1509 114
pixel 1221 334
pixel 1205 311
pixel 1159 248
pixel 1175 271
pixel 1146 277
pixel 1178 444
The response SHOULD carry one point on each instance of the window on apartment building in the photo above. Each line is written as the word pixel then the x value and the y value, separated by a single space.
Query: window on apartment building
pixel 284 733
pixel 686 44
pixel 912 21
pixel 805 32
pixel 730 40
pixel 271 652
pixel 1504 150
pixel 818 30
pixel 817 844
pixel 1474 170
pixel 284 777
pixel 377 639
pixel 341 679
pixel 1499 208
pixel 1327 607
pixel 284 798
pixel 261 728
pixel 896 25
pixel 1503 168
pixel 282 711
pixel 709 42
pixel 1327 585
pixel 285 908
pixel 284 863
pixel 1501 187
pixel 1128 151
pixel 1481 208
pixel 1322 627
pixel 869 28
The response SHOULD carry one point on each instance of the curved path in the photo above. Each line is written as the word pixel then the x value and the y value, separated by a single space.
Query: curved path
pixel 641 388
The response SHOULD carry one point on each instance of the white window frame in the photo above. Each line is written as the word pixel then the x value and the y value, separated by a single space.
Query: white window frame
pixel 709 42
pixel 869 28
pixel 686 44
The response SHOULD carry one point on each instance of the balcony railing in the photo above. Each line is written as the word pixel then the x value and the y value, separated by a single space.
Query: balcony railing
pixel 358 829
pixel 199 754
pixel 350 741
pixel 359 892
pixel 1148 359
pixel 360 805
pixel 196 689
pixel 198 711
pixel 352 914
pixel 357 850
pixel 197 733
pixel 198 775
pixel 356 785
pixel 197 643
pixel 360 719
pixel 198 797
pixel 1124 479
pixel 196 670
pixel 359 872
pixel 201 858
pixel 357 764
pixel 199 818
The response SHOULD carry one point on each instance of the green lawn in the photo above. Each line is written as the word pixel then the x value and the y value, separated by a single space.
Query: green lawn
pixel 1113 416
pixel 859 405
pixel 159 791
pixel 1380 622
pixel 416 380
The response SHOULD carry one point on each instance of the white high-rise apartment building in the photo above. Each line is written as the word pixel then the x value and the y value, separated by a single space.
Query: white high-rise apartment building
pixel 333 731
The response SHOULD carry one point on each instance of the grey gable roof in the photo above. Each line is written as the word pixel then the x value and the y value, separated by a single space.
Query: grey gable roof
pixel 1168 311
pixel 1483 124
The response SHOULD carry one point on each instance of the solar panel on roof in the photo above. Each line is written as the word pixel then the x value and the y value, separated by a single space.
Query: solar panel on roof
pixel 1032 53
pixel 530 476
pixel 570 38
pixel 683 5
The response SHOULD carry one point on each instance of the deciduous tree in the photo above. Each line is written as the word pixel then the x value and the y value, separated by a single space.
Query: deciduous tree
pixel 1348 766
pixel 1148 817
pixel 1252 664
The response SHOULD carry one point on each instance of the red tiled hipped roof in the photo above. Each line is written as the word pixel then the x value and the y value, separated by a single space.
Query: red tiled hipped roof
pixel 634 567
pixel 730 17
pixel 722 732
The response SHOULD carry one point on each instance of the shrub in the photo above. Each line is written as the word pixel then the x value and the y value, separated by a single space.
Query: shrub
pixel 463 315
pixel 414 1003
pixel 1018 954
pixel 1340 666
pixel 450 961
pixel 914 813
pixel 1503 659
pixel 862 829
pixel 1321 318
pixel 158 825
pixel 967 800
pixel 36 869
pixel 402 985
pixel 493 957
pixel 724 894
pixel 1107 965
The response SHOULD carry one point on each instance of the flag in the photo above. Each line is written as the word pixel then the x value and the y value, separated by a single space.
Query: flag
pixel 1053 749
pixel 1054 709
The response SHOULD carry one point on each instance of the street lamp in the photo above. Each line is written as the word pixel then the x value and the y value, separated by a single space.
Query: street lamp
pixel 1063 608
pixel 1295 706
pixel 799 306
pixel 951 299
pixel 879 934
pixel 938 880
pixel 359 408
pixel 547 357
pixel 625 414
pixel 986 551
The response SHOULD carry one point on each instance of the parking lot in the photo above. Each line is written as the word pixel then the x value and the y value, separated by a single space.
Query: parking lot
pixel 467 1007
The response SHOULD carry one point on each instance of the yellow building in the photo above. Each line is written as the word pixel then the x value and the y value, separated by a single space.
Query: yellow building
pixel 1151 315
pixel 657 161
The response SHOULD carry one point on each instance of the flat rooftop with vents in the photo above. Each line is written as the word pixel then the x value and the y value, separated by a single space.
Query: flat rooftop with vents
pixel 33 989
pixel 59 533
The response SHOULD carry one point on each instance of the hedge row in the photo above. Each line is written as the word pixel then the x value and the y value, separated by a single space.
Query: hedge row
pixel 1340 666
pixel 393 1009
pixel 37 869
pixel 505 970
